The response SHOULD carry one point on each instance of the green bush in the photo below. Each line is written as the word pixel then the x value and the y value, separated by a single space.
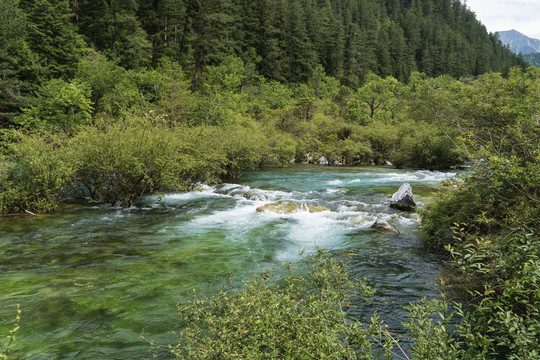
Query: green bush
pixel 60 106
pixel 489 225
pixel 355 151
pixel 383 139
pixel 425 146
pixel 499 279
pixel 282 148
pixel 242 147
pixel 121 161
pixel 34 172
pixel 431 325
pixel 301 317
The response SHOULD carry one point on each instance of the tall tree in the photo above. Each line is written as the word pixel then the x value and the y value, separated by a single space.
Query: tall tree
pixel 300 54
pixel 212 38
pixel 52 35
pixel 14 57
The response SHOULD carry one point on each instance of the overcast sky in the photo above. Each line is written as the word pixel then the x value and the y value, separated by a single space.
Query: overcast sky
pixel 501 15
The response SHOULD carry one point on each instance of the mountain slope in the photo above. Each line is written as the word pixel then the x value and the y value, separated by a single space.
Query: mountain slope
pixel 519 43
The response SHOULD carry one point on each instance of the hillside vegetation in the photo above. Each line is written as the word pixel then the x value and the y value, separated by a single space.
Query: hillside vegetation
pixel 222 86
pixel 532 59
pixel 281 40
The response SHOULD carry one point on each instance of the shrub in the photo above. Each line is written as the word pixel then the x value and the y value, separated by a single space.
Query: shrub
pixel 242 147
pixel 60 106
pixel 383 139
pixel 121 161
pixel 302 317
pixel 490 224
pixel 499 280
pixel 34 172
pixel 425 146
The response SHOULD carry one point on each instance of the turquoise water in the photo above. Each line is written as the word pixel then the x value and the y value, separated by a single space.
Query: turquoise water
pixel 92 280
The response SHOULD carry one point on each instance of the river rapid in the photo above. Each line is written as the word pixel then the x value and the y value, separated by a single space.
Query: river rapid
pixel 93 280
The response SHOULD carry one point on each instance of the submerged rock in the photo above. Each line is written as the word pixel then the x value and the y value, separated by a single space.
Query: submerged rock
pixel 383 226
pixel 358 219
pixel 256 197
pixel 403 199
pixel 287 207
pixel 316 209
pixel 280 207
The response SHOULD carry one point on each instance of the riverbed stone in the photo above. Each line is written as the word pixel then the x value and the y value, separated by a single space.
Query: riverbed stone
pixel 316 209
pixel 256 197
pixel 323 161
pixel 403 199
pixel 288 207
pixel 383 226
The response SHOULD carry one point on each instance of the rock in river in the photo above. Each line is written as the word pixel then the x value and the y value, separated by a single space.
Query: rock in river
pixel 287 207
pixel 383 226
pixel 403 199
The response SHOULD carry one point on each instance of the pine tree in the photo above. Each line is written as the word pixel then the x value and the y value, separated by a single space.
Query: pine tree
pixel 14 56
pixel 93 19
pixel 212 40
pixel 300 54
pixel 52 36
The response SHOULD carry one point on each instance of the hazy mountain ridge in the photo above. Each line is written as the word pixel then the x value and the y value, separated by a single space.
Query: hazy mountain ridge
pixel 519 43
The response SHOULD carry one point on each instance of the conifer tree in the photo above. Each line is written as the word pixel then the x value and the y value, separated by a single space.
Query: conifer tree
pixel 52 36
pixel 300 54
pixel 12 89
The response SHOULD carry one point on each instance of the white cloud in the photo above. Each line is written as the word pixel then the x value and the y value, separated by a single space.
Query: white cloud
pixel 500 15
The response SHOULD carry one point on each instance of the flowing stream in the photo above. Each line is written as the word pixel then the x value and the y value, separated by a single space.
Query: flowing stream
pixel 93 280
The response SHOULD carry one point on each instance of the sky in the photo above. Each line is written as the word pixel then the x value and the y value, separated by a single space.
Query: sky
pixel 501 15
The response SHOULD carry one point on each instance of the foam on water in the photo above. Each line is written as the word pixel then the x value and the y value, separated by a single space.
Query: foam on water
pixel 335 182
pixel 422 176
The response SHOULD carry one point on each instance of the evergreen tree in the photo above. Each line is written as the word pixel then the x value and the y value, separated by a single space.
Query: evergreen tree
pixel 52 36
pixel 12 30
pixel 299 50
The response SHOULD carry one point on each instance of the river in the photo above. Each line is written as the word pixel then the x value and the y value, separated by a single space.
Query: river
pixel 93 280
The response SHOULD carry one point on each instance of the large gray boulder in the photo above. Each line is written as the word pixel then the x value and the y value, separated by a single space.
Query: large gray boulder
pixel 403 199
pixel 383 226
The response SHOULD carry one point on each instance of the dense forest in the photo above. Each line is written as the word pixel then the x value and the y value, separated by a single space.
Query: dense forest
pixel 110 100
pixel 282 40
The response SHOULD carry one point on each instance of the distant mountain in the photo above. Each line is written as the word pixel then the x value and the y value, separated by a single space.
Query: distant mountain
pixel 519 43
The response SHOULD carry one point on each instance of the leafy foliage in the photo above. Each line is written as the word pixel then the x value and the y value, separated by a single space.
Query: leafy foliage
pixel 300 317
pixel 501 193
pixel 34 172
pixel 4 354
pixel 503 316
pixel 119 162
pixel 489 225
pixel 60 106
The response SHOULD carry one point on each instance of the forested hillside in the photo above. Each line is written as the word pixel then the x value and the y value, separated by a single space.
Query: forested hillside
pixel 282 40
pixel 533 59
